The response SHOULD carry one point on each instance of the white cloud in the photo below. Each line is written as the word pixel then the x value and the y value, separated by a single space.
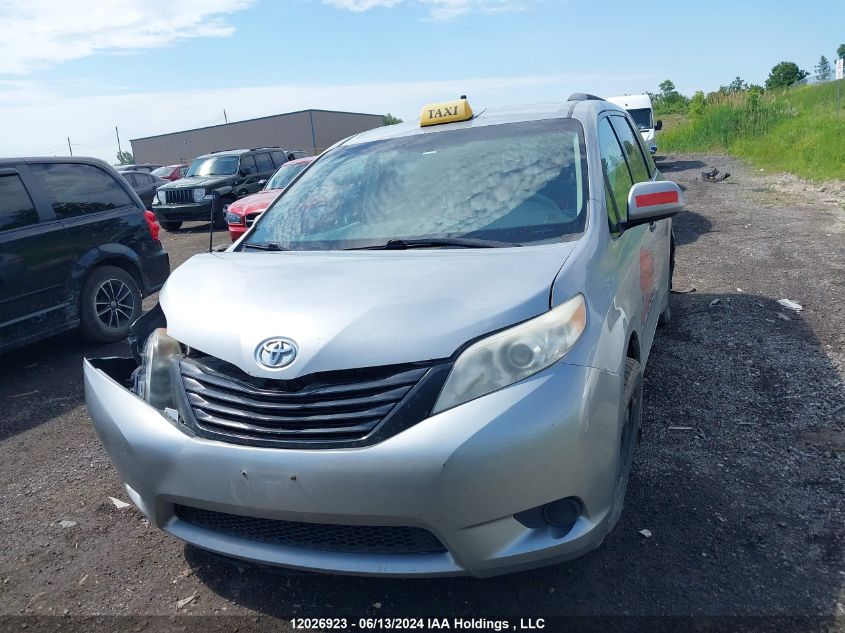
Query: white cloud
pixel 36 118
pixel 43 33
pixel 438 9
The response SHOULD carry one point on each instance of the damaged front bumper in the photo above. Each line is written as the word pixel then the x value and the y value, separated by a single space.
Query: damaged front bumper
pixel 460 476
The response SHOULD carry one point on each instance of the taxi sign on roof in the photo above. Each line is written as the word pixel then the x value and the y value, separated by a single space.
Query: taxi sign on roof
pixel 446 112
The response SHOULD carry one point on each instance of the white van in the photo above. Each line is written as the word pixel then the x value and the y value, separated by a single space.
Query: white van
pixel 639 107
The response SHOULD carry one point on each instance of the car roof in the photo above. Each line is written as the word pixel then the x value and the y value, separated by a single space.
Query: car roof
pixel 242 150
pixel 299 161
pixel 579 107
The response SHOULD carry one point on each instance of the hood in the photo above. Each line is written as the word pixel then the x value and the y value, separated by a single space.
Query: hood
pixel 355 309
pixel 208 182
pixel 256 202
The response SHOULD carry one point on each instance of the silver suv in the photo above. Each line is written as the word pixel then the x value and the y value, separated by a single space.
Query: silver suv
pixel 431 362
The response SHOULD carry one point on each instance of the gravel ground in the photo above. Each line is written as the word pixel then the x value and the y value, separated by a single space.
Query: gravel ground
pixel 739 478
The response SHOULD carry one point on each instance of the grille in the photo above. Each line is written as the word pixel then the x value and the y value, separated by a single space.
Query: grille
pixel 251 217
pixel 228 404
pixel 179 196
pixel 359 539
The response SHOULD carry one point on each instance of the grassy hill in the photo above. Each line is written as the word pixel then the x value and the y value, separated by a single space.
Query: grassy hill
pixel 797 130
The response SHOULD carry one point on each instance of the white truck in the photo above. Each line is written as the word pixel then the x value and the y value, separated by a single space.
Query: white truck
pixel 639 107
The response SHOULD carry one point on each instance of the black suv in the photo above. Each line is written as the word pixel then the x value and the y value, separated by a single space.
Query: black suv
pixel 75 250
pixel 215 181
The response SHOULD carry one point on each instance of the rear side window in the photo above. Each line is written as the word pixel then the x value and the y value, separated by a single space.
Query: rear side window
pixel 633 150
pixel 617 174
pixel 16 208
pixel 264 163
pixel 130 178
pixel 248 166
pixel 278 158
pixel 77 189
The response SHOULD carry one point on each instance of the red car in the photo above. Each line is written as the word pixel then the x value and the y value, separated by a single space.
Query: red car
pixel 171 172
pixel 241 214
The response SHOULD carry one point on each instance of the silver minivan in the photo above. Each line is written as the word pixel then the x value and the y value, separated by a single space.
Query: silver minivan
pixel 424 359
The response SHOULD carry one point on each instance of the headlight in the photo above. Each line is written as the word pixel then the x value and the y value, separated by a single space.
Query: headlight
pixel 154 379
pixel 199 194
pixel 516 353
pixel 234 218
pixel 162 196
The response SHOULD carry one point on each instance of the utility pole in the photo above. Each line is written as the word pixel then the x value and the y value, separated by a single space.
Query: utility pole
pixel 225 117
pixel 118 140
pixel 70 149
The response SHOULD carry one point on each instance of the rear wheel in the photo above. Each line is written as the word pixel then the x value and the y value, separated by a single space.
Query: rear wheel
pixel 110 302
pixel 169 225
pixel 632 401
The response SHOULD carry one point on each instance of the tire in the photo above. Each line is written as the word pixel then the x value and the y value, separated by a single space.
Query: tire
pixel 666 316
pixel 220 216
pixel 169 225
pixel 632 403
pixel 110 302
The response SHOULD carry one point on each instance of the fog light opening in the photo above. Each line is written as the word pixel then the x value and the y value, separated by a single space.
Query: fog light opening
pixel 560 516
pixel 562 513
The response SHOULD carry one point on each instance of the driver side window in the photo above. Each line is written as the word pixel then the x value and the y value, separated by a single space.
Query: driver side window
pixel 618 181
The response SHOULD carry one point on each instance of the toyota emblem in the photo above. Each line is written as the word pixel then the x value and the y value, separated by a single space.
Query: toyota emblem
pixel 275 353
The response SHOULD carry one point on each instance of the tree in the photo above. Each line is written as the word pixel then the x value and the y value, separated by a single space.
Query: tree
pixel 785 74
pixel 840 52
pixel 737 85
pixel 669 100
pixel 389 119
pixel 125 158
pixel 824 71
pixel 697 105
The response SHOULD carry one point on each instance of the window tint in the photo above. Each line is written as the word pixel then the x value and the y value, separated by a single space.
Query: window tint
pixel 77 189
pixel 616 172
pixel 278 158
pixel 16 208
pixel 130 178
pixel 264 163
pixel 633 150
pixel 146 179
pixel 248 165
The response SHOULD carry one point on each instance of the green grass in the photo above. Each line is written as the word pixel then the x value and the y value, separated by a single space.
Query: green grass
pixel 797 130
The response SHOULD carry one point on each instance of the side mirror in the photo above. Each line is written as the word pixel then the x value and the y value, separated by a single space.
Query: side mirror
pixel 658 125
pixel 652 201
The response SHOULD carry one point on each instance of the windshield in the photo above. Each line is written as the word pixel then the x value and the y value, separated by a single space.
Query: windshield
pixel 161 172
pixel 214 166
pixel 513 183
pixel 284 175
pixel 642 117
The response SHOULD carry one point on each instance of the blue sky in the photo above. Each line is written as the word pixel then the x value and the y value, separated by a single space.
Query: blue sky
pixel 154 66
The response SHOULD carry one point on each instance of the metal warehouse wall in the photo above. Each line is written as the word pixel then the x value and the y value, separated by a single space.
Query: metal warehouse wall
pixel 311 130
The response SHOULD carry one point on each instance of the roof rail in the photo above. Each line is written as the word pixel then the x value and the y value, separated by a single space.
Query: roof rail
pixel 252 149
pixel 583 96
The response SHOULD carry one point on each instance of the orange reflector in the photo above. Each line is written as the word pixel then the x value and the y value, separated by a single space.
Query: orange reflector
pixel 653 199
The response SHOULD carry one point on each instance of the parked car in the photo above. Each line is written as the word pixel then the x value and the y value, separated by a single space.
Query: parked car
pixel 75 250
pixel 145 167
pixel 243 213
pixel 171 172
pixel 425 358
pixel 144 184
pixel 214 181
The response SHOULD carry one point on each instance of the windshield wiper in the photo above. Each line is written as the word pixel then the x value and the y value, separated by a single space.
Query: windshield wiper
pixel 269 246
pixel 458 242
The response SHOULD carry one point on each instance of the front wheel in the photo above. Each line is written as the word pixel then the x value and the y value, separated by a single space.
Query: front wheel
pixel 110 302
pixel 632 401
pixel 170 226
pixel 220 216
